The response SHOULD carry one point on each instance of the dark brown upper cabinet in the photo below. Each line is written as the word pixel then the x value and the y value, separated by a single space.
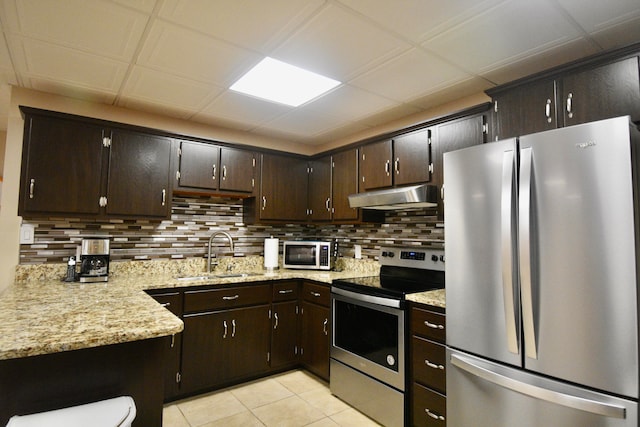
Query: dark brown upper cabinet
pixel 211 169
pixel 597 89
pixel 320 189
pixel 403 160
pixel 345 181
pixel 78 166
pixel 283 191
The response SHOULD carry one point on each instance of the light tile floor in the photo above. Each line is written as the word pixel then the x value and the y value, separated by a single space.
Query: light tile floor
pixel 293 399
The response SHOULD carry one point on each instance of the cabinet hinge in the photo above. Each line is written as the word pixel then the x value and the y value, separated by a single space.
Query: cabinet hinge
pixel 178 378
pixel 253 182
pixel 362 156
pixel 295 350
pixel 177 175
pixel 268 356
pixel 301 351
pixel 106 141
pixel 269 313
pixel 495 106
pixel 254 162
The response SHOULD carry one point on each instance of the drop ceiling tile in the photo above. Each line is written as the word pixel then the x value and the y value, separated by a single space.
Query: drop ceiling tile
pixel 418 20
pixel 7 73
pixel 182 52
pixel 160 88
pixel 239 108
pixel 36 59
pixel 104 28
pixel 46 85
pixel 349 101
pixel 255 24
pixel 145 6
pixel 154 108
pixel 305 123
pixel 339 44
pixel 390 115
pixel 594 16
pixel 413 74
pixel 504 34
pixel 618 35
pixel 468 87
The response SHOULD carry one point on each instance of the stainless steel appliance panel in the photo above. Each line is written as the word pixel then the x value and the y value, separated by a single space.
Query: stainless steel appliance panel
pixel 483 310
pixel 578 257
pixel 379 401
pixel 482 393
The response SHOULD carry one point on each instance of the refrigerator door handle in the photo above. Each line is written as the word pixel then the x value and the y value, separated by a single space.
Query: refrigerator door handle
pixel 524 240
pixel 506 219
pixel 563 399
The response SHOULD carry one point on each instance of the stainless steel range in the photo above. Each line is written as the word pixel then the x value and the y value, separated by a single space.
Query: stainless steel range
pixel 369 331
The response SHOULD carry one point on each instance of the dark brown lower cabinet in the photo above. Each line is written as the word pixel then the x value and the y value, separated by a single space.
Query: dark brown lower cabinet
pixel 429 407
pixel 315 339
pixel 223 346
pixel 284 334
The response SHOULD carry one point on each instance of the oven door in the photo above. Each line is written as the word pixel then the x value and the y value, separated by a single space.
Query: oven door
pixel 368 335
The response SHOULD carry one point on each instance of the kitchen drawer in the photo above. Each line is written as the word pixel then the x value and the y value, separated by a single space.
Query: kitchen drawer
pixel 172 301
pixel 429 409
pixel 286 291
pixel 428 324
pixel 429 361
pixel 317 294
pixel 222 298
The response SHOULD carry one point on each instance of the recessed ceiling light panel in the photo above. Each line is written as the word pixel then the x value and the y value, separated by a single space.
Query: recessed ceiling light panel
pixel 278 81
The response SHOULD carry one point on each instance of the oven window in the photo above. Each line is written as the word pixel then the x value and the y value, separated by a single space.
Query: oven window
pixel 366 332
pixel 300 255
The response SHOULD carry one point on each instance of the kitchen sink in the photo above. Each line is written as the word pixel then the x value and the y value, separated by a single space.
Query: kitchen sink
pixel 216 276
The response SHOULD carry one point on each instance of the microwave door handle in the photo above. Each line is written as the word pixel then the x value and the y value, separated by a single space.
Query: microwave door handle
pixel 507 237
pixel 524 240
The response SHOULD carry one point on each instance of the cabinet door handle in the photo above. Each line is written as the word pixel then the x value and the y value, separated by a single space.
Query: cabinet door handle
pixel 326 204
pixel 285 291
pixel 396 165
pixel 434 415
pixel 231 298
pixel 547 110
pixel 233 328
pixel 275 316
pixel 569 105
pixel 164 197
pixel 315 294
pixel 324 326
pixel 433 325
pixel 433 365
pixel 224 172
pixel 224 323
pixel 166 304
pixel 213 172
pixel 387 166
pixel 264 202
pixel 32 185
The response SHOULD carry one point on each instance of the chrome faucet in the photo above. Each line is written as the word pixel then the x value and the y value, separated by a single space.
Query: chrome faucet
pixel 213 236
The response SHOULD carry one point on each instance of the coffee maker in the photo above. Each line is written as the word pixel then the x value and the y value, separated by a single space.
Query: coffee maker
pixel 94 260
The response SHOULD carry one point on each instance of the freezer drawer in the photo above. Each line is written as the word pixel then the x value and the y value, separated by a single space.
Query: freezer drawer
pixel 482 393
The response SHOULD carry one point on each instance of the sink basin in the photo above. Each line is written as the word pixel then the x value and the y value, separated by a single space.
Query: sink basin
pixel 216 276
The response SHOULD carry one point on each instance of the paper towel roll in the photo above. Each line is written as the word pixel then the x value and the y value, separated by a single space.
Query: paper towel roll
pixel 271 253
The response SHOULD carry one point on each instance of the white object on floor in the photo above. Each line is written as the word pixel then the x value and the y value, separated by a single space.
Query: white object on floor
pixel 116 412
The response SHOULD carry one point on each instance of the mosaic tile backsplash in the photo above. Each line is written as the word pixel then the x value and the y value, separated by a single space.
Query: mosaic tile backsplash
pixel 193 219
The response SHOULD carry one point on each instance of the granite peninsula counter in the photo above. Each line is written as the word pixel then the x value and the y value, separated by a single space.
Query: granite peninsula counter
pixel 40 314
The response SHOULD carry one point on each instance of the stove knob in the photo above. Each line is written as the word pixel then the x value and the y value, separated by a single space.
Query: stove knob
pixel 391 254
pixel 434 258
pixel 442 258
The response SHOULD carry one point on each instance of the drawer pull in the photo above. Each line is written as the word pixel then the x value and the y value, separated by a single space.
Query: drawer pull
pixel 166 304
pixel 233 330
pixel 433 365
pixel 434 415
pixel 226 329
pixel 315 294
pixel 285 291
pixel 231 298
pixel 433 325
pixel 324 326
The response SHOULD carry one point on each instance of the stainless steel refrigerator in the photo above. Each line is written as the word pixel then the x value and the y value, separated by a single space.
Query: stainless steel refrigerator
pixel 541 247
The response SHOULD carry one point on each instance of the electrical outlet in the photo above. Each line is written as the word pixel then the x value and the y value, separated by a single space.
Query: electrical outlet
pixel 27 234
pixel 358 251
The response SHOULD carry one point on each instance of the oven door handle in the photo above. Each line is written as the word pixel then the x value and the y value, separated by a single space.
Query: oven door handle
pixel 387 302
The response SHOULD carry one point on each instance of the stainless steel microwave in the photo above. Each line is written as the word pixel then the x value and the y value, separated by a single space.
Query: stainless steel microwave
pixel 309 255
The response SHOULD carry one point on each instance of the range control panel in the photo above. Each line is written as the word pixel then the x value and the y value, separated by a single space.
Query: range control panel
pixel 413 257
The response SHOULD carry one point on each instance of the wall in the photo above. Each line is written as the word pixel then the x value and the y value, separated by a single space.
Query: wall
pixel 192 221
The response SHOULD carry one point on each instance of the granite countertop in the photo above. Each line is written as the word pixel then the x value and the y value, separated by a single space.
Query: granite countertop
pixel 435 298
pixel 40 314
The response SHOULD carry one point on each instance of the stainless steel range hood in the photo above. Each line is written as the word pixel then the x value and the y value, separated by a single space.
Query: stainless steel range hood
pixel 415 196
